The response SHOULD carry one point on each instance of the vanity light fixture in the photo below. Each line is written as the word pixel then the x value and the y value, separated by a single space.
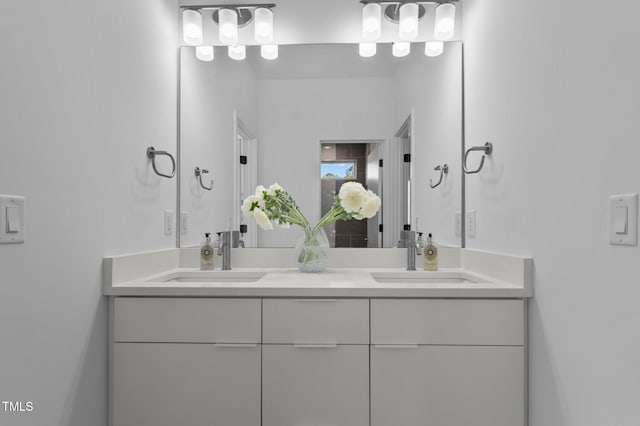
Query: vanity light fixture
pixel 433 48
pixel 269 51
pixel 367 50
pixel 228 26
pixel 408 21
pixel 204 53
pixel 445 21
pixel 263 29
pixel 407 14
pixel 371 21
pixel 401 48
pixel 230 18
pixel 192 26
pixel 237 52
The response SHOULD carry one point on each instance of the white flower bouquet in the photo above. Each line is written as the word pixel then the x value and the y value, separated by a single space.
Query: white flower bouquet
pixel 274 205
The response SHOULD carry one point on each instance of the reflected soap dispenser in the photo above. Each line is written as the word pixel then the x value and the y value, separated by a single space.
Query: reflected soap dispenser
pixel 430 255
pixel 206 253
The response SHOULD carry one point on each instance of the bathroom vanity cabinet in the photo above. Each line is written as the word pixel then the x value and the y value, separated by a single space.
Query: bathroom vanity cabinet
pixel 342 361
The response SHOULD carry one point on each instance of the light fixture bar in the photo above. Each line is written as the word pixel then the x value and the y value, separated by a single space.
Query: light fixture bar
pixel 228 6
pixel 408 1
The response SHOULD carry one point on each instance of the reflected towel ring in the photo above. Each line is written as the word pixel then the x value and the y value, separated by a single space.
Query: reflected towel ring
pixel 151 154
pixel 487 148
pixel 199 172
pixel 444 170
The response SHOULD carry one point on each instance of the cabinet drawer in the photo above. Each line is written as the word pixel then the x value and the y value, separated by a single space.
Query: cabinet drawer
pixel 316 321
pixel 187 320
pixel 447 322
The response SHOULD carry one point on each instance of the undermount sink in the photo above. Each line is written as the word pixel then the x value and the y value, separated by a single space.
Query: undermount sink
pixel 424 277
pixel 211 277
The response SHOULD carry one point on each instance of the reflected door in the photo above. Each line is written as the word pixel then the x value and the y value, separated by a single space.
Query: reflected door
pixel 246 180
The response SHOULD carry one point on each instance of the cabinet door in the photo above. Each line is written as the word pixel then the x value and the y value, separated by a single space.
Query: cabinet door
pixel 447 385
pixel 315 385
pixel 165 384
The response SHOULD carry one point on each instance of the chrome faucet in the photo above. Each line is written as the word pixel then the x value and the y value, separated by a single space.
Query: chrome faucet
pixel 224 249
pixel 408 239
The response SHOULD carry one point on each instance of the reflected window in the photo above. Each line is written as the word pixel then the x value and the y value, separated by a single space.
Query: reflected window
pixel 338 170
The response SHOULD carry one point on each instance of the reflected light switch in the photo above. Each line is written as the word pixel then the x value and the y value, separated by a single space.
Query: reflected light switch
pixel 620 217
pixel 13 220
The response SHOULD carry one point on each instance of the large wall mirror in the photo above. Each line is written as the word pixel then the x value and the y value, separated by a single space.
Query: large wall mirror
pixel 318 116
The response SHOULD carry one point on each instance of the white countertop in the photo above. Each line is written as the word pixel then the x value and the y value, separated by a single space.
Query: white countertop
pixel 155 273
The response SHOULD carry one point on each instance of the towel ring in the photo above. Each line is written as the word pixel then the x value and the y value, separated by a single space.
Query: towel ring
pixel 199 172
pixel 487 148
pixel 151 154
pixel 444 170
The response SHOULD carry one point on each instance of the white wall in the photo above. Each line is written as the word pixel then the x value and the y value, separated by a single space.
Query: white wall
pixel 210 92
pixel 432 88
pixel 295 115
pixel 555 88
pixel 85 88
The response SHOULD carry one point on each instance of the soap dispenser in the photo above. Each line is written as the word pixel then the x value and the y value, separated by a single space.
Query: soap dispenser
pixel 430 255
pixel 419 244
pixel 206 253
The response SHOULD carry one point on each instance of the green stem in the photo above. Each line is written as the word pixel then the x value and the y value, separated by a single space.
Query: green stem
pixel 330 217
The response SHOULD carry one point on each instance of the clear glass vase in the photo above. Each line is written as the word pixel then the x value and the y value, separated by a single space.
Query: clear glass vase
pixel 312 250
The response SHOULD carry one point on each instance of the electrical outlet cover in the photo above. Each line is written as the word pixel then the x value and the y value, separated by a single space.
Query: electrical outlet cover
pixel 168 222
pixel 184 222
pixel 471 224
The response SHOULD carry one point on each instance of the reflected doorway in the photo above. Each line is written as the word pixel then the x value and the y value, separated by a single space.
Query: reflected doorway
pixel 245 161
pixel 351 161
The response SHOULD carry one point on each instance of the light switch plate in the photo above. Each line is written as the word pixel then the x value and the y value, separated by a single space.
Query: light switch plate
pixel 168 222
pixel 12 225
pixel 471 224
pixel 458 224
pixel 623 220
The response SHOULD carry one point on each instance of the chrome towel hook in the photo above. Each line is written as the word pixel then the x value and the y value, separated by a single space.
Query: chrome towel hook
pixel 151 154
pixel 199 173
pixel 444 170
pixel 487 148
